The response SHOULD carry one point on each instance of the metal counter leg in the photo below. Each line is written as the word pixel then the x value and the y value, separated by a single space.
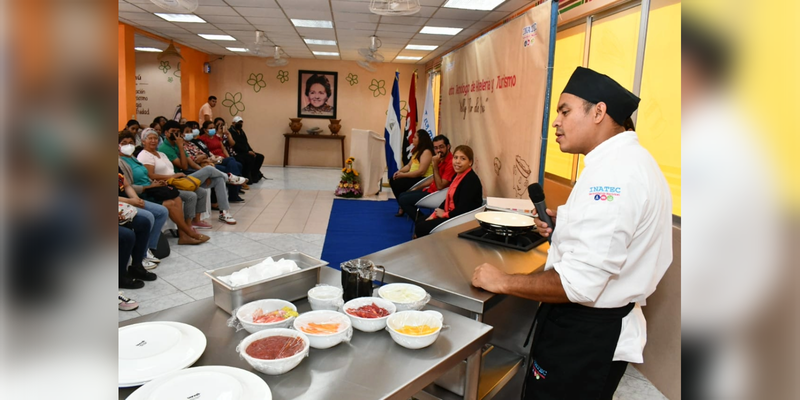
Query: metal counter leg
pixel 473 375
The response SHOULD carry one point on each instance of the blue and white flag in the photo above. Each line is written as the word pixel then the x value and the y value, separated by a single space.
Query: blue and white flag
pixel 393 132
pixel 428 116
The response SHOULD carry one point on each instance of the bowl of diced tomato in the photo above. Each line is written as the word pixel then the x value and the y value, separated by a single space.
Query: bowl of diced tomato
pixel 266 314
pixel 369 314
pixel 324 328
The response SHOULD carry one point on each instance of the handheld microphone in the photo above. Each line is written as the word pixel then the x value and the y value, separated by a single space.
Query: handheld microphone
pixel 536 194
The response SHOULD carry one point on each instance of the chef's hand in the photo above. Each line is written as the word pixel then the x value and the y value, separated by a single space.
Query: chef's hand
pixel 488 277
pixel 542 227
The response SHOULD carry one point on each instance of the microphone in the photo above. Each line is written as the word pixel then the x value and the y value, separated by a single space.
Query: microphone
pixel 536 194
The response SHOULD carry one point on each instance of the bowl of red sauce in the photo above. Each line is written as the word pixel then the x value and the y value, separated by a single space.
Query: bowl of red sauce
pixel 274 351
pixel 369 314
pixel 266 314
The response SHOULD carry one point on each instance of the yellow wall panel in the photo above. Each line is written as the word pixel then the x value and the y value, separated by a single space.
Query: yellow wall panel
pixel 659 119
pixel 569 55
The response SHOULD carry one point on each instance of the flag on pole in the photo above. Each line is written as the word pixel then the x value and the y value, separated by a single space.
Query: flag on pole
pixel 411 120
pixel 428 115
pixel 392 131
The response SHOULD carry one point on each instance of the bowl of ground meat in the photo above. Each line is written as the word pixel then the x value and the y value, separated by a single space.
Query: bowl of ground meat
pixel 274 351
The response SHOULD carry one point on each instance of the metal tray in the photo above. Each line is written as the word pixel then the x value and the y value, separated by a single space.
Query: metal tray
pixel 289 287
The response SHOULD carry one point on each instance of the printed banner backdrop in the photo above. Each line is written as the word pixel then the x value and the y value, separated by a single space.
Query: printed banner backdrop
pixel 493 95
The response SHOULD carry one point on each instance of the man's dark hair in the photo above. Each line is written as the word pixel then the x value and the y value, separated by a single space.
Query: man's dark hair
pixel 126 135
pixel 322 80
pixel 628 125
pixel 132 123
pixel 441 137
pixel 212 98
pixel 193 124
pixel 171 124
pixel 706 49
pixel 159 118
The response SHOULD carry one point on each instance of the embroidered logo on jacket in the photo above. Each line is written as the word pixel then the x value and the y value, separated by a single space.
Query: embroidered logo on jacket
pixel 538 371
pixel 604 193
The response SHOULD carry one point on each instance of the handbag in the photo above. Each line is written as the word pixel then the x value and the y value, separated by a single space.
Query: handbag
pixel 126 213
pixel 187 183
pixel 161 194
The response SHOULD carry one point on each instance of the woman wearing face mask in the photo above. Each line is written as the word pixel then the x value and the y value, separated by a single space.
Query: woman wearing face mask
pixel 194 152
pixel 318 91
pixel 157 192
pixel 465 193
pixel 215 146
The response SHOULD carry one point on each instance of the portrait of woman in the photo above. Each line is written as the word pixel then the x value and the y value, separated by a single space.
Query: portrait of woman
pixel 316 97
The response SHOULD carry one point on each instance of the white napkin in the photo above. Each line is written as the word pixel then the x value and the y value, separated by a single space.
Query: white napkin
pixel 263 270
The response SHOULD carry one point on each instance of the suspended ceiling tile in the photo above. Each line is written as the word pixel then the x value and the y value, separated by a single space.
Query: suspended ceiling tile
pixel 350 7
pixel 317 14
pixel 199 28
pixel 157 24
pixel 433 3
pixel 214 10
pixel 340 17
pixel 125 7
pixel 304 4
pixel 399 28
pixel 283 22
pixel 355 32
pixel 512 5
pixel 137 16
pixel 225 19
pixel 467 15
pixel 450 23
pixel 411 20
pixel 313 33
pixel 252 3
pixel 260 12
pixel 495 16
pixel 236 27
pixel 349 26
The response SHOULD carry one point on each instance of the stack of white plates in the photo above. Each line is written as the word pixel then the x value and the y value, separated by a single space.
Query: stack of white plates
pixel 209 382
pixel 152 349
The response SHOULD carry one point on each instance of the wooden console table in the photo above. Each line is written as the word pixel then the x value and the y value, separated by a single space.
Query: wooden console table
pixel 288 136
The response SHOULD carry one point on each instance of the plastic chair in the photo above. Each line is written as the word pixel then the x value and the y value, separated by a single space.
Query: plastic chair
pixel 423 183
pixel 432 200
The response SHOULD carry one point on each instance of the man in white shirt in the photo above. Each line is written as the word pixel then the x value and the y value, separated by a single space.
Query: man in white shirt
pixel 205 110
pixel 611 246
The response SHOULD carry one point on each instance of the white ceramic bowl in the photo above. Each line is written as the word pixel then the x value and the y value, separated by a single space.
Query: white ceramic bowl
pixel 414 318
pixel 404 296
pixel 273 367
pixel 245 314
pixel 368 324
pixel 320 341
pixel 325 298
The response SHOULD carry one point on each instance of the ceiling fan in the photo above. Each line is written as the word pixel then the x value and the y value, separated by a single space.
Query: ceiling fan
pixel 366 65
pixel 394 7
pixel 371 54
pixel 170 51
pixel 259 47
pixel 178 6
pixel 276 60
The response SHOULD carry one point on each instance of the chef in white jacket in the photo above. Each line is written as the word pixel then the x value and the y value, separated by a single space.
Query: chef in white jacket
pixel 611 246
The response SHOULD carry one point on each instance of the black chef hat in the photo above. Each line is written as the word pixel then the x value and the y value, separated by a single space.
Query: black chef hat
pixel 595 87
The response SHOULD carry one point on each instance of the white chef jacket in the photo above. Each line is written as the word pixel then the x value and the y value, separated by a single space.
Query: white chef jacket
pixel 613 238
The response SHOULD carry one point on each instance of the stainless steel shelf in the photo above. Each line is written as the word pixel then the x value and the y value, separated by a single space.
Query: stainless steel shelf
pixel 497 368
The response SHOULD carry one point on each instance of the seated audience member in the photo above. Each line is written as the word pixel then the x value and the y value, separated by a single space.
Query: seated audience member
pixel 133 238
pixel 163 167
pixel 215 145
pixel 197 151
pixel 160 120
pixel 417 169
pixel 157 128
pixel 157 214
pixel 465 193
pixel 159 192
pixel 442 176
pixel 251 161
pixel 134 128
pixel 126 304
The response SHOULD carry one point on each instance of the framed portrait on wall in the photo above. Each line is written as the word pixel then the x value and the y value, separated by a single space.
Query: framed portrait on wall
pixel 317 94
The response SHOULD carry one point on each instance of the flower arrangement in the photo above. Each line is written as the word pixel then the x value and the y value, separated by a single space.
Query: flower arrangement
pixel 350 184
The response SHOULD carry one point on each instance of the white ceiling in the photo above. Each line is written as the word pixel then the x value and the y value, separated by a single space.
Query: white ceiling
pixel 352 21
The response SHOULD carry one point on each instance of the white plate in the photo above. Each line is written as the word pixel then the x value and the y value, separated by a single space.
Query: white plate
pixel 151 349
pixel 213 382
pixel 506 219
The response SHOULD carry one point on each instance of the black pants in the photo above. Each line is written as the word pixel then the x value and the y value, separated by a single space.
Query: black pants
pixel 423 228
pixel 133 238
pixel 251 166
pixel 408 200
pixel 572 353
pixel 402 185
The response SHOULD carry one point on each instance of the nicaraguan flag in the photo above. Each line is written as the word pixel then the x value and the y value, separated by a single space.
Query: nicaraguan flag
pixel 393 132
pixel 428 116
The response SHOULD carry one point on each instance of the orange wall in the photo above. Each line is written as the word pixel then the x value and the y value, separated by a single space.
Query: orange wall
pixel 127 75
pixel 194 83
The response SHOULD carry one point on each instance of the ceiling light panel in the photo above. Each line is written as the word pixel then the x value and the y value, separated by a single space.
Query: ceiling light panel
pixel 421 47
pixel 408 58
pixel 181 17
pixel 216 37
pixel 321 42
pixel 237 49
pixel 440 30
pixel 148 49
pixel 325 53
pixel 483 5
pixel 312 23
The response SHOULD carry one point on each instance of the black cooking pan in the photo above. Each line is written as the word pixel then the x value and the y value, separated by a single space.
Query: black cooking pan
pixel 505 223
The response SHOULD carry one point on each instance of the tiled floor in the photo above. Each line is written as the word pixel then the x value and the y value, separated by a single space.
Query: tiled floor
pixel 290 211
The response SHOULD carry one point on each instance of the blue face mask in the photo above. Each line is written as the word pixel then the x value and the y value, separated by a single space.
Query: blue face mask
pixel 188 136
pixel 212 132
pixel 196 132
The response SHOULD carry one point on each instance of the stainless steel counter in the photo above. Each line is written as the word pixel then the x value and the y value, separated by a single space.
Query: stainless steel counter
pixel 442 263
pixel 371 367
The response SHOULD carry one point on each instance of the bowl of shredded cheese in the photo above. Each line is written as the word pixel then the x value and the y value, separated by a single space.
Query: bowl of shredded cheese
pixel 414 329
